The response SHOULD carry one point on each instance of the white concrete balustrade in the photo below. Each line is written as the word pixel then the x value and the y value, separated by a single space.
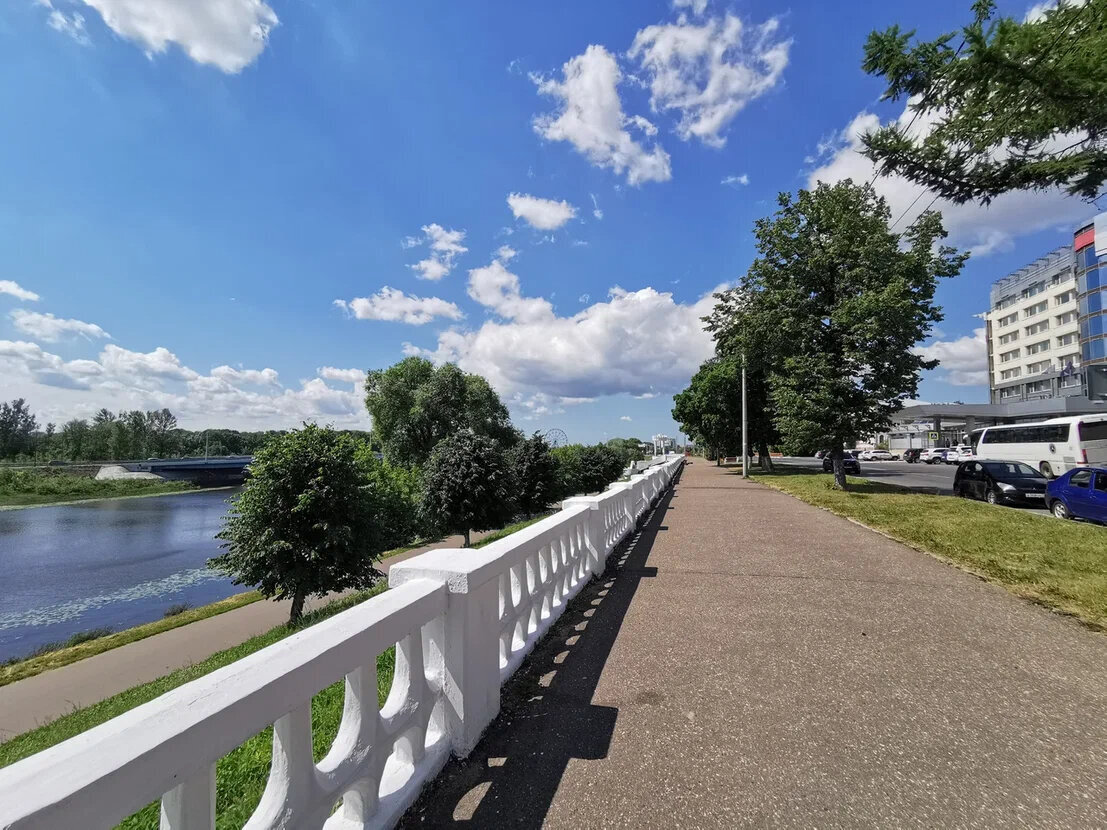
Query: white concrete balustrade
pixel 462 622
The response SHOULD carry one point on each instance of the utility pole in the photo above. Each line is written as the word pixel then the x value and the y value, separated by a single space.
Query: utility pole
pixel 745 444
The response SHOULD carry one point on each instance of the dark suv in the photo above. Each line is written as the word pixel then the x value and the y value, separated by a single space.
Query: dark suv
pixel 849 463
pixel 912 456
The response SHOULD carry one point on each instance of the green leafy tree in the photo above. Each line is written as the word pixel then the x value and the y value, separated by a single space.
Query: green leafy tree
pixel 585 469
pixel 629 448
pixel 1016 105
pixel 840 301
pixel 468 485
pixel 710 409
pixel 17 425
pixel 307 522
pixel 535 473
pixel 414 406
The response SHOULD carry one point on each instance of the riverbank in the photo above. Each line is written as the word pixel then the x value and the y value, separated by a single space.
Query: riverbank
pixel 21 489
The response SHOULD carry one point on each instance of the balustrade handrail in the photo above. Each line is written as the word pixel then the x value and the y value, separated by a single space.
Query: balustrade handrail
pixel 462 621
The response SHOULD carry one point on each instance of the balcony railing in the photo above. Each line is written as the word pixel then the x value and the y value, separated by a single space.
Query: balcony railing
pixel 462 622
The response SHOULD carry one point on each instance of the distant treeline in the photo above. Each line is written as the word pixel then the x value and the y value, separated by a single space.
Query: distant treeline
pixel 117 436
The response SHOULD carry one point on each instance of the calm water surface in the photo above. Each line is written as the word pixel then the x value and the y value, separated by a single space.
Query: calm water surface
pixel 114 563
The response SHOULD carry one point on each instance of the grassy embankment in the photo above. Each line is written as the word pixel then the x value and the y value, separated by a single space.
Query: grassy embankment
pixel 21 488
pixel 241 775
pixel 1061 565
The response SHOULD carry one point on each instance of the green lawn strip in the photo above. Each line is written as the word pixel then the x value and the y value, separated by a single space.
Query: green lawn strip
pixel 43 491
pixel 1062 565
pixel 241 775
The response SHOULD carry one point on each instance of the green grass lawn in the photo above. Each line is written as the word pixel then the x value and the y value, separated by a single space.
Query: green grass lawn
pixel 21 488
pixel 241 775
pixel 1062 565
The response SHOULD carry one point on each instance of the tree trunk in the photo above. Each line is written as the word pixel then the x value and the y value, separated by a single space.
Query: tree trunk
pixel 468 544
pixel 297 607
pixel 764 459
pixel 836 456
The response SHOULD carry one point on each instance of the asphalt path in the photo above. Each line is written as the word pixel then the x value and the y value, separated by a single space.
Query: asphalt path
pixel 931 478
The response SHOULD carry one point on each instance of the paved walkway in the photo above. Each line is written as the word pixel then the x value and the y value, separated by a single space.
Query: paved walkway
pixel 757 661
pixel 44 697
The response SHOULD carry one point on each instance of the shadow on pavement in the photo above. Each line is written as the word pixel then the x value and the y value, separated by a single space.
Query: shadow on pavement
pixel 546 716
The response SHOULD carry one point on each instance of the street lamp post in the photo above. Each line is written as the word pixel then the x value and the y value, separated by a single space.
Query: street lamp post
pixel 745 444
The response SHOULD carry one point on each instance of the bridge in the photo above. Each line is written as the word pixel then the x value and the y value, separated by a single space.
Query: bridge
pixel 686 649
pixel 212 471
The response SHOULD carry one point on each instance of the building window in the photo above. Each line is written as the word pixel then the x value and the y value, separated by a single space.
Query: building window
pixel 1070 381
pixel 1066 339
pixel 1067 297
pixel 1037 308
pixel 1066 318
pixel 1007 357
pixel 1010 392
pixel 1009 319
pixel 1039 367
pixel 1038 348
pixel 1038 387
pixel 1033 290
pixel 1037 328
pixel 1007 374
pixel 1011 337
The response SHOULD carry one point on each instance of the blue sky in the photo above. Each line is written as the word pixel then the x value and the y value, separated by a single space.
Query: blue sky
pixel 209 198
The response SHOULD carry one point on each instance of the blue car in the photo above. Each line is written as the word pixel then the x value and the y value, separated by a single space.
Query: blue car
pixel 1079 494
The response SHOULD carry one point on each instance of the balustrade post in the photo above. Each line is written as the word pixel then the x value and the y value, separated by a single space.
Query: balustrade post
pixel 469 659
pixel 595 538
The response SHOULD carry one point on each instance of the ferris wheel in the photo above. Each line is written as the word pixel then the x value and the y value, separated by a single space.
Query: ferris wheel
pixel 556 437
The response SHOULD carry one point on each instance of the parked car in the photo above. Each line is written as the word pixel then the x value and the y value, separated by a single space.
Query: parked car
pixel 882 455
pixel 961 452
pixel 1000 482
pixel 1079 494
pixel 934 455
pixel 912 456
pixel 865 455
pixel 849 463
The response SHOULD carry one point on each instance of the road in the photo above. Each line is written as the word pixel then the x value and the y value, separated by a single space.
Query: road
pixel 936 478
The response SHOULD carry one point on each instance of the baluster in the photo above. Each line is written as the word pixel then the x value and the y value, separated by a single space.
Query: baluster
pixel 289 791
pixel 358 735
pixel 191 804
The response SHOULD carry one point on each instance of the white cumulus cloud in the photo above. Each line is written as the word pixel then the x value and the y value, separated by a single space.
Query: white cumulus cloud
pixel 590 117
pixel 354 376
pixel 144 367
pixel 708 72
pixel 445 247
pixel 14 289
pixel 637 342
pixel 394 305
pixel 51 329
pixel 543 214
pixel 735 181
pixel 226 34
pixel 965 359
pixel 624 418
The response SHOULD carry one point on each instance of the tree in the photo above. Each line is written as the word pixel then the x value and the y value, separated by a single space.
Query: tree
pixel 535 473
pixel 17 425
pixel 74 438
pixel 710 409
pixel 1017 105
pixel 586 469
pixel 306 523
pixel 629 448
pixel 414 406
pixel 467 485
pixel 840 301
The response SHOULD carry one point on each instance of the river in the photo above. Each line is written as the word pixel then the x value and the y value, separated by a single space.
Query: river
pixel 113 563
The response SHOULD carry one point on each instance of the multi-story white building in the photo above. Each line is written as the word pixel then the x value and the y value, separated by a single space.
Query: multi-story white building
pixel 1034 333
